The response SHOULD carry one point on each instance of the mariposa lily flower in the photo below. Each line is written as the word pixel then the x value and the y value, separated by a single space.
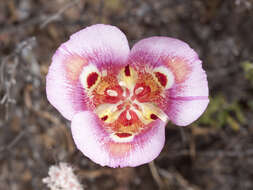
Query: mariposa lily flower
pixel 119 101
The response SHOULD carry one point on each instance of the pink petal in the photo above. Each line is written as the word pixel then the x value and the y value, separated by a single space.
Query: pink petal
pixel 94 142
pixel 187 99
pixel 64 94
pixel 183 111
pixel 152 51
pixel 104 46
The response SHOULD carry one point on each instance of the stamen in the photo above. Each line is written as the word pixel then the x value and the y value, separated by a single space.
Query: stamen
pixel 139 90
pixel 112 93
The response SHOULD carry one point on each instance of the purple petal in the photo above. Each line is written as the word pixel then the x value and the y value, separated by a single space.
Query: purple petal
pixel 187 98
pixel 103 46
pixel 94 142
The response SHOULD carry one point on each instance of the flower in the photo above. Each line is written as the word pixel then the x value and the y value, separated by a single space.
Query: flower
pixel 118 100
pixel 62 177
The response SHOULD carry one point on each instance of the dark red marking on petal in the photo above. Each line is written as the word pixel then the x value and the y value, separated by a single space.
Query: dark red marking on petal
pixel 123 135
pixel 161 78
pixel 153 116
pixel 91 79
pixel 127 71
pixel 104 118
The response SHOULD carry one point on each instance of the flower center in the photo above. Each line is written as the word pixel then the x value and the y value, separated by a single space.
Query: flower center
pixel 129 102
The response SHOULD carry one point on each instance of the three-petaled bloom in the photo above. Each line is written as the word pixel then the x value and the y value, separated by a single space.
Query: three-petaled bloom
pixel 118 100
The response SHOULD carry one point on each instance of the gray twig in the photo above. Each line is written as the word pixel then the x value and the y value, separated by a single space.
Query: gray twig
pixel 57 15
pixel 156 175
pixel 14 141
pixel 8 73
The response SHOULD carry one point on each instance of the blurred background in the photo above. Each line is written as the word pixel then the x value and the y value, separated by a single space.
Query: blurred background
pixel 214 153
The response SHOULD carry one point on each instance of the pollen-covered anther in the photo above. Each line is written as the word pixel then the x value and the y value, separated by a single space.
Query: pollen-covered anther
pixel 122 137
pixel 139 90
pixel 112 93
pixel 164 77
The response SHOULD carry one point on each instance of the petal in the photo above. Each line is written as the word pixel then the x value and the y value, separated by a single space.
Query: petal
pixel 185 110
pixel 103 46
pixel 94 142
pixel 187 97
pixel 152 51
pixel 65 94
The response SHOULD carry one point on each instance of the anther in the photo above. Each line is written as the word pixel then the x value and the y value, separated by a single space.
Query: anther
pixel 112 93
pixel 139 90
